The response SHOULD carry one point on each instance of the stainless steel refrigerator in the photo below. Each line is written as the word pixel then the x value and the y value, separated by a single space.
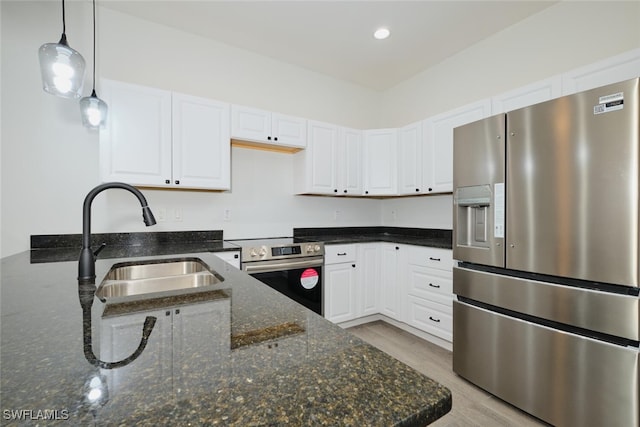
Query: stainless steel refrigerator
pixel 546 232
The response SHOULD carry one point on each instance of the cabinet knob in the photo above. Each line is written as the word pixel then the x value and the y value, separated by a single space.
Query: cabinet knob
pixel 397 248
pixel 275 139
pixel 269 138
pixel 353 265
pixel 166 181
pixel 345 191
pixel 177 181
pixel 167 313
pixel 335 190
pixel 366 192
pixel 430 189
pixel 177 311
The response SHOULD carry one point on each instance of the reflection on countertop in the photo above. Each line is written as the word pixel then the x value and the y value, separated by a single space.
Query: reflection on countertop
pixel 237 354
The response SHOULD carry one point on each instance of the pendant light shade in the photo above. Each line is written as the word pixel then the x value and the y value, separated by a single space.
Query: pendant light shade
pixel 93 109
pixel 62 68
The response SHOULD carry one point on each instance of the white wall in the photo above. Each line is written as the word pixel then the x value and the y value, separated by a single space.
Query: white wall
pixel 50 162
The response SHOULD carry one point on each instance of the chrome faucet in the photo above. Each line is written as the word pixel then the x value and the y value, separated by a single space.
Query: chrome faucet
pixel 87 262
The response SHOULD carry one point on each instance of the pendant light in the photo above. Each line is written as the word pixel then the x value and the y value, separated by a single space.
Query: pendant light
pixel 62 68
pixel 92 108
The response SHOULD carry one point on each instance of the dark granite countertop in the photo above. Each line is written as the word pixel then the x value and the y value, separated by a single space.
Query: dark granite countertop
pixel 238 354
pixel 436 238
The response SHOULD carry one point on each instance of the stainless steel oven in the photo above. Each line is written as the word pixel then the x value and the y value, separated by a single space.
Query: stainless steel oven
pixel 292 268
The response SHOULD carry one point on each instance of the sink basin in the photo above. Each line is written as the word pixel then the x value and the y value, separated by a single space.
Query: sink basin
pixel 137 279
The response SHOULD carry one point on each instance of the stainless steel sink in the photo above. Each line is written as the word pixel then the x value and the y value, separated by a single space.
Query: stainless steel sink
pixel 145 278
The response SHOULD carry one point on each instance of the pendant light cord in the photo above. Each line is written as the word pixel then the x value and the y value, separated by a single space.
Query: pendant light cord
pixel 64 26
pixel 94 49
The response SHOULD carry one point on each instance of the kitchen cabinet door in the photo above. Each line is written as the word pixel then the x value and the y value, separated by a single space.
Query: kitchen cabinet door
pixel 340 288
pixel 289 131
pixel 135 145
pixel 410 159
pixel 391 289
pixel 315 169
pixel 349 161
pixel 369 272
pixel 611 70
pixel 252 124
pixel 525 96
pixel 201 143
pixel 380 150
pixel 438 137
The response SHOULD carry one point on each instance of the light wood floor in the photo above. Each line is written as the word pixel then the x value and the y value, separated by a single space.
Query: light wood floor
pixel 471 405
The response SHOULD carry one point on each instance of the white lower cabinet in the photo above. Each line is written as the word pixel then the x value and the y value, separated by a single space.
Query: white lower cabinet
pixel 429 296
pixel 391 289
pixel 368 277
pixel 340 283
pixel 230 257
pixel 406 283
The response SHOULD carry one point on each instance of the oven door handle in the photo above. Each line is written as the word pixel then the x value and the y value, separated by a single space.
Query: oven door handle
pixel 260 267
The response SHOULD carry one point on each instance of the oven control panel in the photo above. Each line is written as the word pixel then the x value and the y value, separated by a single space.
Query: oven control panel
pixel 296 250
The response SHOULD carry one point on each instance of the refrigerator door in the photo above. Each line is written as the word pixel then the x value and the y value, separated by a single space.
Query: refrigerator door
pixel 478 195
pixel 572 186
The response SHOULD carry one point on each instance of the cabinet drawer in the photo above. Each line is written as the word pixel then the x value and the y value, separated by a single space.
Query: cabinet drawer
pixel 335 254
pixel 441 259
pixel 431 317
pixel 430 284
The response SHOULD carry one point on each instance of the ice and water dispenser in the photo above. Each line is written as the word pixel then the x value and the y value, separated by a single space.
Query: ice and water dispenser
pixel 473 207
pixel 479 224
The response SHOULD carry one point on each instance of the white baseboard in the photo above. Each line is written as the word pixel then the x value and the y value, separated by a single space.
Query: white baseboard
pixel 417 332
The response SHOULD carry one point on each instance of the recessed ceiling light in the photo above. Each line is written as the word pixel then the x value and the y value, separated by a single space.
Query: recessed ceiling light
pixel 381 33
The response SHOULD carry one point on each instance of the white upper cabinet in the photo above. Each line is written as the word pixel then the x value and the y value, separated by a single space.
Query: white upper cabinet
pixel 201 143
pixel 438 148
pixel 161 139
pixel 349 161
pixel 410 159
pixel 252 124
pixel 534 93
pixel 315 168
pixel 135 145
pixel 331 163
pixel 380 150
pixel 611 70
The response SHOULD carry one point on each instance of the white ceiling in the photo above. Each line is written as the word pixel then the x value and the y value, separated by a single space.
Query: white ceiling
pixel 335 37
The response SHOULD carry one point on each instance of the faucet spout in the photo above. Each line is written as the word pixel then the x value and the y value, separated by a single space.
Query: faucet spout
pixel 86 263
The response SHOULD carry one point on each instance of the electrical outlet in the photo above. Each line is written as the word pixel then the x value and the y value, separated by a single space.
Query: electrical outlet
pixel 336 214
pixel 394 216
pixel 177 217
pixel 227 214
pixel 160 214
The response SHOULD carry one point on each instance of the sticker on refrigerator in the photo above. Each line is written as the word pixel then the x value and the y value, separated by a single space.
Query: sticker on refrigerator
pixel 498 210
pixel 309 278
pixel 609 103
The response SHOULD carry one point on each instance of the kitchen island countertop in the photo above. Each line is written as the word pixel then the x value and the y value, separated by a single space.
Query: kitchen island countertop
pixel 239 354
